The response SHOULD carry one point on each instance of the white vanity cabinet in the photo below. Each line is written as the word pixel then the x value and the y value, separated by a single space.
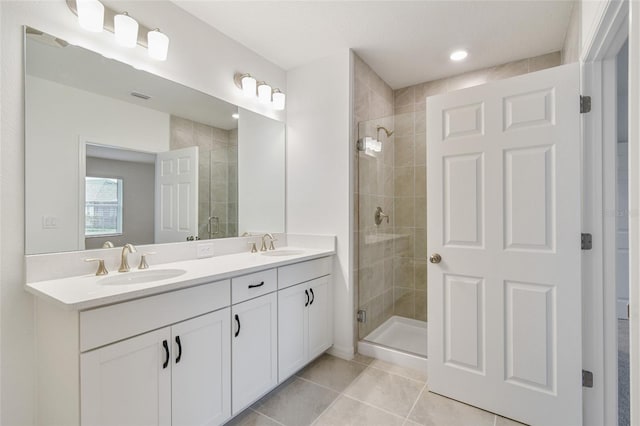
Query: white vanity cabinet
pixel 305 326
pixel 254 345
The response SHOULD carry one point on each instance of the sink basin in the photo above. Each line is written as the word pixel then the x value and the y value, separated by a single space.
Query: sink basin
pixel 282 252
pixel 140 277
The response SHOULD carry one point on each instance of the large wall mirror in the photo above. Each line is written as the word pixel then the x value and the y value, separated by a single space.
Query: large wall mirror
pixel 118 155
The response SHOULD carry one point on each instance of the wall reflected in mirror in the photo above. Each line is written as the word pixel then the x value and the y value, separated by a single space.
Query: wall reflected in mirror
pixel 118 155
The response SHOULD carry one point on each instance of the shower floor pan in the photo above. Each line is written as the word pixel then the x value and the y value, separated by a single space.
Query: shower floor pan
pixel 399 340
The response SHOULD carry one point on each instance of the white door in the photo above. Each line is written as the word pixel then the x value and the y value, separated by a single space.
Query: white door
pixel 127 383
pixel 292 330
pixel 320 320
pixel 176 213
pixel 503 213
pixel 201 374
pixel 254 349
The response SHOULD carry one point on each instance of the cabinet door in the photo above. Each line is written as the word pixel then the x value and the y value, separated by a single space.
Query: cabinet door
pixel 292 330
pixel 320 317
pixel 254 349
pixel 201 370
pixel 127 383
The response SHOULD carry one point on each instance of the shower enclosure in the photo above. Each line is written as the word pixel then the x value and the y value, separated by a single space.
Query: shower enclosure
pixel 391 235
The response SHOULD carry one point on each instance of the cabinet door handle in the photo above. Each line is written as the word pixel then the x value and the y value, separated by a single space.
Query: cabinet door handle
pixel 237 321
pixel 313 296
pixel 256 285
pixel 306 292
pixel 179 349
pixel 165 344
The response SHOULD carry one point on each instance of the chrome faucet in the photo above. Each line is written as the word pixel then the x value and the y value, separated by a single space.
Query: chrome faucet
pixel 263 247
pixel 124 264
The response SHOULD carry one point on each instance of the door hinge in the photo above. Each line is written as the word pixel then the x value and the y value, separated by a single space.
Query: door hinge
pixel 587 379
pixel 585 104
pixel 362 315
pixel 586 242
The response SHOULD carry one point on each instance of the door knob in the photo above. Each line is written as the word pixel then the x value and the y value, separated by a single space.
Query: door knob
pixel 435 258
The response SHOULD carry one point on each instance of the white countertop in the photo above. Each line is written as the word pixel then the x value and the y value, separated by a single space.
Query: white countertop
pixel 86 291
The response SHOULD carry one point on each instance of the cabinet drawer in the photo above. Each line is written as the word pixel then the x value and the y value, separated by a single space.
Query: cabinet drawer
pixel 253 285
pixel 304 271
pixel 105 325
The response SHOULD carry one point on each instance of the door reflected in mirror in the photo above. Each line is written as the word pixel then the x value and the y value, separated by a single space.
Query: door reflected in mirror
pixel 186 166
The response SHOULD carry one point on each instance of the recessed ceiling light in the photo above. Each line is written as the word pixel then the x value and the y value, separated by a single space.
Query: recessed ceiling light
pixel 458 55
pixel 235 115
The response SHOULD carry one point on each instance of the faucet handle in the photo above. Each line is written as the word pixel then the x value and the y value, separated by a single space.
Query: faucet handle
pixel 253 247
pixel 143 260
pixel 271 246
pixel 102 270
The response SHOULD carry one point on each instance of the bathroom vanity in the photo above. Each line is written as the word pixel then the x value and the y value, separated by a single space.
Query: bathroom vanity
pixel 197 348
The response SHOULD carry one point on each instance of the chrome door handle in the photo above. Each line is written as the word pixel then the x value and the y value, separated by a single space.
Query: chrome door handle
pixel 435 258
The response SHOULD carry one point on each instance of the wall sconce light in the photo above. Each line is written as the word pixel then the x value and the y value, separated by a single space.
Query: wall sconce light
pixel 90 15
pixel 264 93
pixel 260 89
pixel 278 99
pixel 126 30
pixel 158 44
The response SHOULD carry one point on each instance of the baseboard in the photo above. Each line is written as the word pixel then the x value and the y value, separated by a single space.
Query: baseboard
pixel 344 352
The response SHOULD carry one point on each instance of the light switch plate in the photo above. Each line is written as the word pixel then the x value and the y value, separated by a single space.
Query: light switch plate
pixel 205 250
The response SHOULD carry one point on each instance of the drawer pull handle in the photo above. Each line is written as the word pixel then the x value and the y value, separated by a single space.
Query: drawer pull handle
pixel 237 321
pixel 256 285
pixel 179 349
pixel 165 344
pixel 313 296
pixel 306 292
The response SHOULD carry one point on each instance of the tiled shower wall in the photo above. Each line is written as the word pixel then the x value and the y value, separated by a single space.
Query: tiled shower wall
pixel 392 259
pixel 217 172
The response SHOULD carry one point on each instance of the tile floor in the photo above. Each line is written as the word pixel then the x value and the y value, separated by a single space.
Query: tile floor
pixel 362 392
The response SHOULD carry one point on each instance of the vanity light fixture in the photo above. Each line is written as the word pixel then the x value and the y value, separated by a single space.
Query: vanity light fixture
pixel 264 93
pixel 458 55
pixel 90 15
pixel 158 44
pixel 262 90
pixel 125 29
pixel 248 84
pixel 278 99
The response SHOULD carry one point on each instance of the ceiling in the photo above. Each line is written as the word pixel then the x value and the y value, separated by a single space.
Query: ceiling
pixel 405 42
pixel 55 60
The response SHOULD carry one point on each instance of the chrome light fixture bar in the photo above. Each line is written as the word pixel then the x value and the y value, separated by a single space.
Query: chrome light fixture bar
pixel 128 31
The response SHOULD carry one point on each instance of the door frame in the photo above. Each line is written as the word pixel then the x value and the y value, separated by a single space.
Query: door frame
pixel 599 322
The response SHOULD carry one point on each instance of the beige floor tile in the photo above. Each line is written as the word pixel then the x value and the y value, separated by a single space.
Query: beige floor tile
pixel 390 392
pixel 349 412
pixel 503 421
pixel 408 422
pixel 298 403
pixel 332 372
pixel 409 373
pixel 251 418
pixel 436 410
pixel 362 359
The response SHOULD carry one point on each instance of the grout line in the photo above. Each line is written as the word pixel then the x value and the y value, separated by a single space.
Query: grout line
pixel 416 402
pixel 374 406
pixel 264 415
pixel 327 409
pixel 397 374
pixel 318 384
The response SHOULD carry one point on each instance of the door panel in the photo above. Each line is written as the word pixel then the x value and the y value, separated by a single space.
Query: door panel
pixel 503 211
pixel 293 334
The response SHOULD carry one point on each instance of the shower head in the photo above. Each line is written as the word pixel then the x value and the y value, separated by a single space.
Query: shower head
pixel 387 131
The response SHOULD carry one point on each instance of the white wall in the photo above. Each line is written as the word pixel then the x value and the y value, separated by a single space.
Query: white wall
pixel 319 173
pixel 57 120
pixel 261 171
pixel 199 56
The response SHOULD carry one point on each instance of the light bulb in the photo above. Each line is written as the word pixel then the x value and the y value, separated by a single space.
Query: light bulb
pixel 264 93
pixel 248 85
pixel 126 30
pixel 278 100
pixel 158 44
pixel 90 15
